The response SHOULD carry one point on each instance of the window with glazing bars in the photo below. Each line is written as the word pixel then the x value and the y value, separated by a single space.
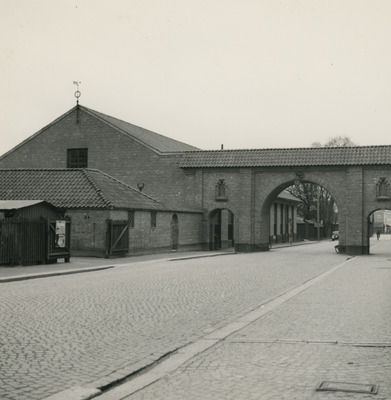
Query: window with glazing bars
pixel 77 158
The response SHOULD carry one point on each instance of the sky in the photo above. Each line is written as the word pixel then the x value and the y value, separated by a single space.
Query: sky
pixel 239 73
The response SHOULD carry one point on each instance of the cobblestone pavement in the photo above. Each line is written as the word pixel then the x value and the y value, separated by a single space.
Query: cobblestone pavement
pixel 339 330
pixel 91 329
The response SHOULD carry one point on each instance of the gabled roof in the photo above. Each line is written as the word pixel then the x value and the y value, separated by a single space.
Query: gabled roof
pixel 156 142
pixel 160 143
pixel 73 188
pixel 296 157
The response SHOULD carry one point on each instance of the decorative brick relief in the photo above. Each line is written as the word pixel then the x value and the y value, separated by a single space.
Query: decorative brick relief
pixel 382 189
pixel 221 190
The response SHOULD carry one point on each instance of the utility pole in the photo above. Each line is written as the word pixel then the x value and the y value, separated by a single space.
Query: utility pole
pixel 318 211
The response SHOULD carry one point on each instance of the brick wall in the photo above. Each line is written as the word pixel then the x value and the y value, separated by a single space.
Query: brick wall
pixel 145 239
pixel 88 232
pixel 109 151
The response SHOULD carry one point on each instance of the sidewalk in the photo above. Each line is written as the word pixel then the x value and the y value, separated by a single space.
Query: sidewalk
pixel 329 338
pixel 90 264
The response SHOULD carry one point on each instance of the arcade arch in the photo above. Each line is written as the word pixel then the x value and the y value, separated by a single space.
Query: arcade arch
pixel 379 229
pixel 314 216
pixel 359 179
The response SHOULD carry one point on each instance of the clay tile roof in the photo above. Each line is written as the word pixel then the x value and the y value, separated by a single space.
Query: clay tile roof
pixel 73 188
pixel 162 144
pixel 308 156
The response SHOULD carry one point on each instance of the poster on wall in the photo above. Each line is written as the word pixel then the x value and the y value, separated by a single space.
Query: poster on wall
pixel 60 233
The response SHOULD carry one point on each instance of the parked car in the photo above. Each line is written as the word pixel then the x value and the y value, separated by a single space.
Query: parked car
pixel 334 235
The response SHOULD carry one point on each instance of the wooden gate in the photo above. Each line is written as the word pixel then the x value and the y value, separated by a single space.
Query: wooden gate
pixel 32 236
pixel 117 237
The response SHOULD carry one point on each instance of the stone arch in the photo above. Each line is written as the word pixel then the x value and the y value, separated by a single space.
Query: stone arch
pixel 375 227
pixel 276 186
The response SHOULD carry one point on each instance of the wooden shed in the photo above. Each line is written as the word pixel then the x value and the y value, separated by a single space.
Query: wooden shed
pixel 32 232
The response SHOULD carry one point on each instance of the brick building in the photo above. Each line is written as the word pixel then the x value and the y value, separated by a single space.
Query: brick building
pixel 208 194
pixel 283 218
pixel 108 217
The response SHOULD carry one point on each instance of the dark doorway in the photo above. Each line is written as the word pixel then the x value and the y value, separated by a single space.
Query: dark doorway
pixel 221 229
pixel 174 232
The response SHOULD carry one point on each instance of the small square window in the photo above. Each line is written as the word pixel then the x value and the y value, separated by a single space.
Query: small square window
pixel 77 158
pixel 153 219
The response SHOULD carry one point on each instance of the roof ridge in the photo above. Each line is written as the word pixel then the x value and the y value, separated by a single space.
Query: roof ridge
pixel 125 184
pixel 287 148
pixel 97 188
pixel 294 157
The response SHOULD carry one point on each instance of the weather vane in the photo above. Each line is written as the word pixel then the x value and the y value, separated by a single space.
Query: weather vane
pixel 77 93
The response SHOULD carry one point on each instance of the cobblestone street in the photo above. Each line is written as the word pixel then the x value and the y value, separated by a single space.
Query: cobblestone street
pixel 336 330
pixel 91 329
pixel 63 331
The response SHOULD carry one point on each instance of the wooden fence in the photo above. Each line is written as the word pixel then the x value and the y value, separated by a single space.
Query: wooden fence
pixel 28 242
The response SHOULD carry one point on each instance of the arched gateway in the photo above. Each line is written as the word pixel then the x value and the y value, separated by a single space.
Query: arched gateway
pixel 248 181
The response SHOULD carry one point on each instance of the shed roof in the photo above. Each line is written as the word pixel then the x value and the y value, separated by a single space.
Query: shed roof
pixel 17 204
pixel 288 196
pixel 293 157
pixel 73 188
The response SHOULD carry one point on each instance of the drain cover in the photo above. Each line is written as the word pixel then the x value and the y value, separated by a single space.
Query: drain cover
pixel 347 387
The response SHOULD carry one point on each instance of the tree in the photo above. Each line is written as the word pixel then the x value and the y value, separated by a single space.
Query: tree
pixel 337 141
pixel 313 196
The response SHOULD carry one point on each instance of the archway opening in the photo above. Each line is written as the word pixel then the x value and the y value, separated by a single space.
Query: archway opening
pixel 221 229
pixel 301 211
pixel 379 232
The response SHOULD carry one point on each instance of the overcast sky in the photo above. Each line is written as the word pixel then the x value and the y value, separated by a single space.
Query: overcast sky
pixel 243 73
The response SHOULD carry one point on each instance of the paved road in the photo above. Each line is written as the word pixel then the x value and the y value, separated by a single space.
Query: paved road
pixel 338 329
pixel 91 329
